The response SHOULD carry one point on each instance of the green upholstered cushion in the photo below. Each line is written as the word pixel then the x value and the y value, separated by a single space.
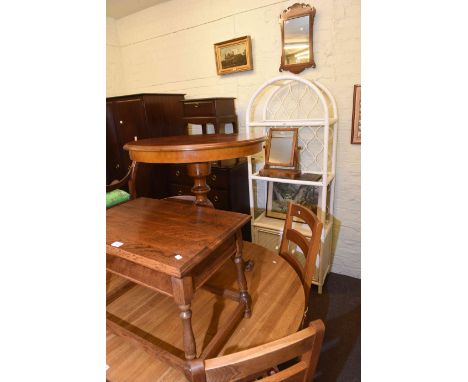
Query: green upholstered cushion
pixel 116 197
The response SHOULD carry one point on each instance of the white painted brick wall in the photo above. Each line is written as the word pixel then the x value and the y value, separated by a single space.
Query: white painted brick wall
pixel 161 49
pixel 114 70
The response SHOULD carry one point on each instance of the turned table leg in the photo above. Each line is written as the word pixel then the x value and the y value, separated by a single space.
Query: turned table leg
pixel 183 293
pixel 244 294
pixel 199 172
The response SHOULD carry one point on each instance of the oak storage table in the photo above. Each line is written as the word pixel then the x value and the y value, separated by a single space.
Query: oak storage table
pixel 174 248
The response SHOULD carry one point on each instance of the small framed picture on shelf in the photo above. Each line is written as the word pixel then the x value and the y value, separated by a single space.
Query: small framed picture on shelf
pixel 356 127
pixel 279 194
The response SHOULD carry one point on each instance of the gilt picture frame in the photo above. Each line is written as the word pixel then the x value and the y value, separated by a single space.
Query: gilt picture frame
pixel 356 121
pixel 234 55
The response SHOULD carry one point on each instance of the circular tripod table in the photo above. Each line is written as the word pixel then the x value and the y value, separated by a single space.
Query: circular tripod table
pixel 197 151
pixel 277 311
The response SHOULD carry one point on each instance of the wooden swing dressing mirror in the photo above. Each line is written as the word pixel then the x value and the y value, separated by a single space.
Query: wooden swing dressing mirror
pixel 281 156
pixel 296 36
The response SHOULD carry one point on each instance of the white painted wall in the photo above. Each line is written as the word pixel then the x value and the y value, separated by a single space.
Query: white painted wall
pixel 114 70
pixel 169 48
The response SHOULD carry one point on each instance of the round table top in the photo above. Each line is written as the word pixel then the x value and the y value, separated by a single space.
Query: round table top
pixel 277 311
pixel 193 148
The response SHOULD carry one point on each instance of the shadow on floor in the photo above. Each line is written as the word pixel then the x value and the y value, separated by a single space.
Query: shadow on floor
pixel 339 306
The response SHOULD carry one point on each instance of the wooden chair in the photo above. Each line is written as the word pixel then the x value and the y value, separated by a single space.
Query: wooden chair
pixel 310 247
pixel 261 361
pixel 114 193
pixel 121 196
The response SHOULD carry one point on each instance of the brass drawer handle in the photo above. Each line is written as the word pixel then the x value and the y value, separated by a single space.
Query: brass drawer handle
pixel 179 192
pixel 177 173
pixel 216 199
pixel 213 177
pixel 117 165
pixel 197 104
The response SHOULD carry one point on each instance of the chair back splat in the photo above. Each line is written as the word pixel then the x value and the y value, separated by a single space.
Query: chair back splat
pixel 129 178
pixel 310 247
pixel 114 194
pixel 261 361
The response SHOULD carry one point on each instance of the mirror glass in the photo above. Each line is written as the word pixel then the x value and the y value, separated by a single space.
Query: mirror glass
pixel 296 40
pixel 281 148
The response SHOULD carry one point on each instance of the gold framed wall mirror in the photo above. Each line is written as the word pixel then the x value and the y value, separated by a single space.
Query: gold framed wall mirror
pixel 281 153
pixel 296 24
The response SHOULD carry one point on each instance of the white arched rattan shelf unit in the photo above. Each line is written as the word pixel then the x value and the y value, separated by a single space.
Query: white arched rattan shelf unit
pixel 293 101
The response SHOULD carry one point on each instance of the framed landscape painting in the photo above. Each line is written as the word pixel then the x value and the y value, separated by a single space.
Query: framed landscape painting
pixel 356 128
pixel 233 55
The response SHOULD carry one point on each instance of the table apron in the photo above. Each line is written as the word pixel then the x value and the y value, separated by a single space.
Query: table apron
pixel 193 156
pixel 215 260
pixel 139 274
pixel 161 282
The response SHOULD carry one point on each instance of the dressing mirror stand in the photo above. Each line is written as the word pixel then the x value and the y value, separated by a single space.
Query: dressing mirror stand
pixel 281 154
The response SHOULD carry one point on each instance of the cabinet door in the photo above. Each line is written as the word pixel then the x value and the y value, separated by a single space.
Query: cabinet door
pixel 164 115
pixel 130 122
pixel 114 166
pixel 267 238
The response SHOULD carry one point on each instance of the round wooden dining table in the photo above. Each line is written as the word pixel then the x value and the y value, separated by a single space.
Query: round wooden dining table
pixel 277 311
pixel 197 151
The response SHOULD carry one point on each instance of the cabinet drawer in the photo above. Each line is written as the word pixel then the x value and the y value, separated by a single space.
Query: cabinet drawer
pixel 178 175
pixel 267 238
pixel 199 109
pixel 219 198
pixel 219 178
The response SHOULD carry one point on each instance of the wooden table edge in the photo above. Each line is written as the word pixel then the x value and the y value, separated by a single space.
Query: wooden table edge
pixel 135 146
pixel 169 269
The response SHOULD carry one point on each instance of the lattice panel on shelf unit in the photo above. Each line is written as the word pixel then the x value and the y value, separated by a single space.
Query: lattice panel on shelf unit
pixel 294 100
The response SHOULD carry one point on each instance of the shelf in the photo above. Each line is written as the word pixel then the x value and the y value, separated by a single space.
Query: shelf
pixel 311 108
pixel 278 224
pixel 301 180
pixel 292 122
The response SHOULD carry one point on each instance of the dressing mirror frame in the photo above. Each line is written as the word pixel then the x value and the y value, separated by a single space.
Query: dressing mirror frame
pixel 282 170
pixel 295 11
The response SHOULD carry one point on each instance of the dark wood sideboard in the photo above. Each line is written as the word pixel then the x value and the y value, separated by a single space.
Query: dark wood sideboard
pixel 228 182
pixel 147 115
pixel 216 111
pixel 152 115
